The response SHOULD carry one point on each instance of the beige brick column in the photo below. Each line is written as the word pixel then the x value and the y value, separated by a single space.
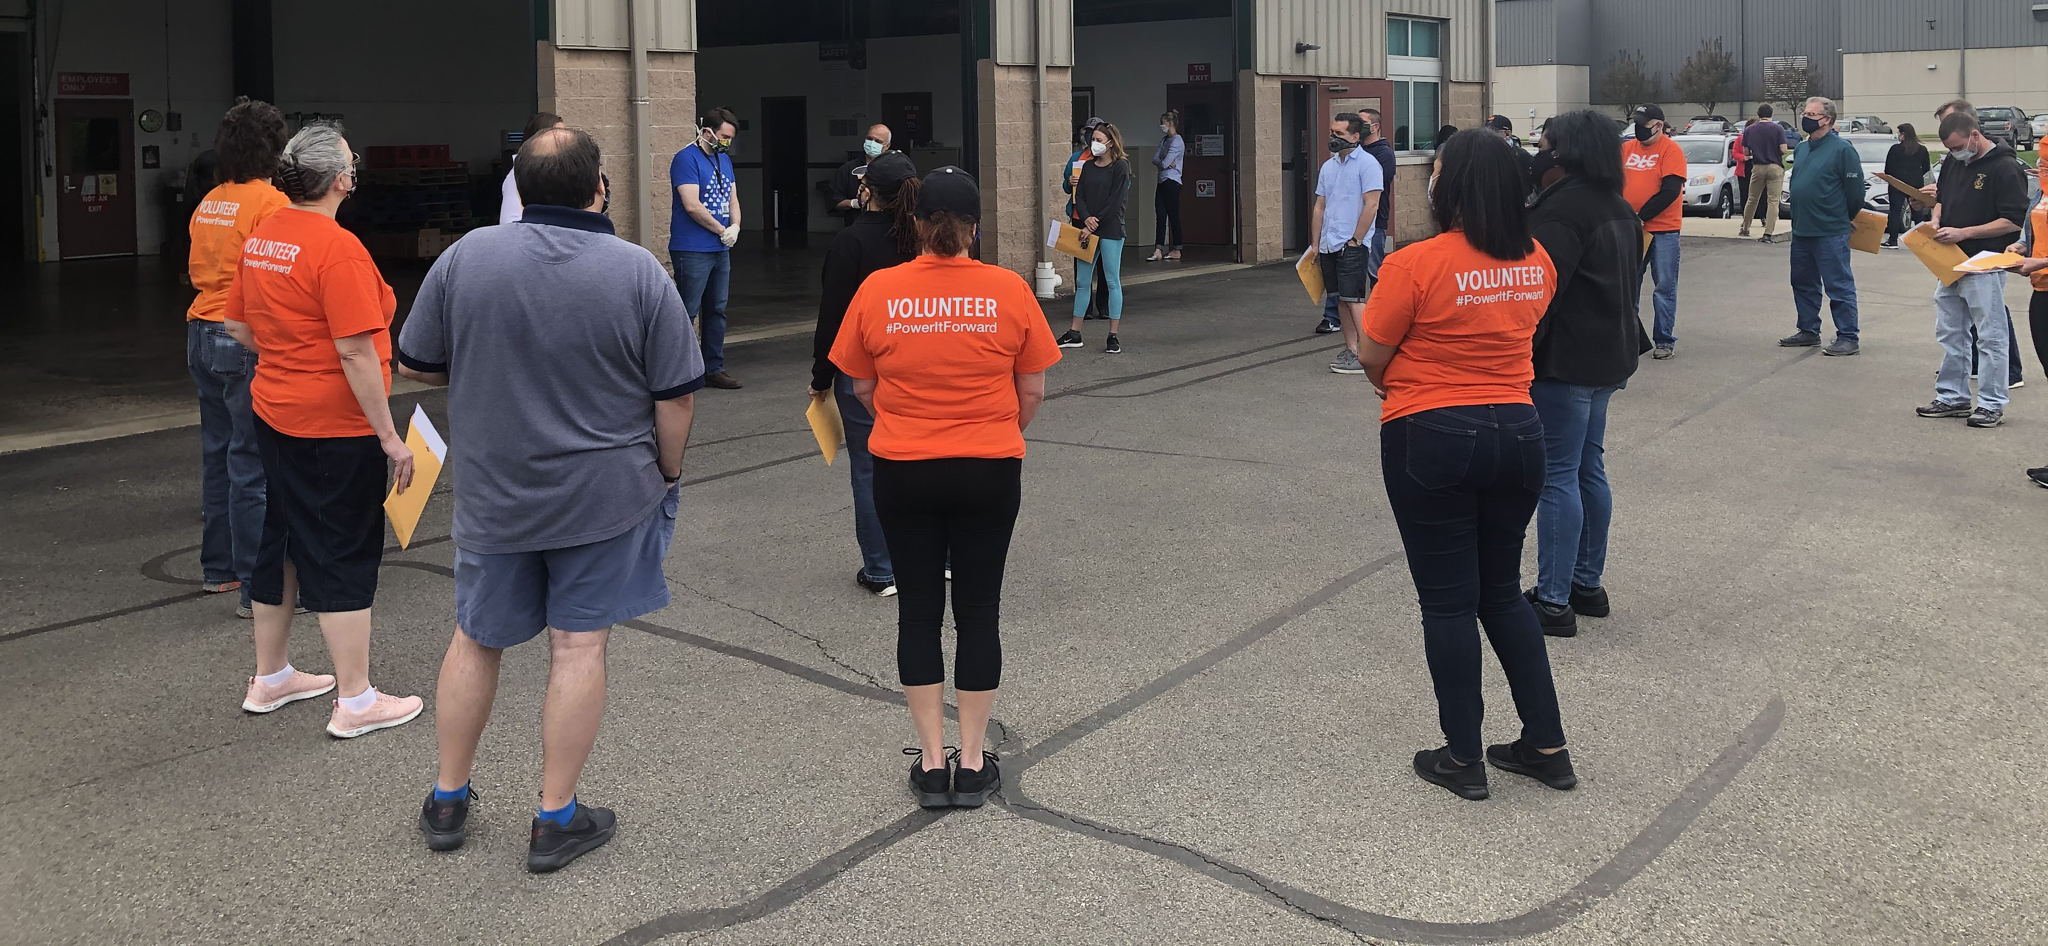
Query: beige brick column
pixel 1261 220
pixel 591 90
pixel 1464 106
pixel 1012 227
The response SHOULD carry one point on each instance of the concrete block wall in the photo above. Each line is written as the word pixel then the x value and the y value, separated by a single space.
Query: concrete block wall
pixel 592 91
pixel 1011 176
pixel 1262 217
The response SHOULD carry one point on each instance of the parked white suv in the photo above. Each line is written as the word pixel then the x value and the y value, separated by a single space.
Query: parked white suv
pixel 1871 151
pixel 1710 183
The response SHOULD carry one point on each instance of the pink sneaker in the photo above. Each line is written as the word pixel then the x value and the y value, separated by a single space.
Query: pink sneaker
pixel 302 686
pixel 387 712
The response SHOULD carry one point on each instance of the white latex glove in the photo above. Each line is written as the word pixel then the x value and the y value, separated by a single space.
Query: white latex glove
pixel 730 236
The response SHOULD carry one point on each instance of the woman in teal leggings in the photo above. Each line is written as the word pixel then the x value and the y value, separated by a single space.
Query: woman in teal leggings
pixel 1099 206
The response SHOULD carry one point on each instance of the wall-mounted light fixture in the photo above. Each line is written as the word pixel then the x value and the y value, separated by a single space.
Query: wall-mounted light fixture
pixel 1300 48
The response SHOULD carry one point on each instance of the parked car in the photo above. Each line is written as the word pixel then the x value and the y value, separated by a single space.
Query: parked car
pixel 1710 183
pixel 2007 124
pixel 1870 152
pixel 1865 124
pixel 1708 125
pixel 2040 126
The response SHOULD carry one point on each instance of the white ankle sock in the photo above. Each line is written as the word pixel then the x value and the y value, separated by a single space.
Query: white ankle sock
pixel 360 701
pixel 278 678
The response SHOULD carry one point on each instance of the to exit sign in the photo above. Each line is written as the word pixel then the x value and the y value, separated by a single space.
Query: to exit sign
pixel 1198 72
pixel 92 83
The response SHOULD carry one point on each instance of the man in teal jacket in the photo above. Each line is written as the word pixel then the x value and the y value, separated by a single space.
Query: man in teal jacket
pixel 1827 193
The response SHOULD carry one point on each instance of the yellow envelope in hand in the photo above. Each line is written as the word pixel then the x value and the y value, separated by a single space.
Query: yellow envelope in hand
pixel 1074 242
pixel 1867 231
pixel 1940 258
pixel 1310 269
pixel 826 425
pixel 429 453
pixel 1989 262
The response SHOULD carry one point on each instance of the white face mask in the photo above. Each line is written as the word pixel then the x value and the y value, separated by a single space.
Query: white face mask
pixel 871 148
pixel 1096 148
pixel 1166 129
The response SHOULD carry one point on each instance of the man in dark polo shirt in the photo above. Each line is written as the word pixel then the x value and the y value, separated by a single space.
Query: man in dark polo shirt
pixel 1979 203
pixel 570 364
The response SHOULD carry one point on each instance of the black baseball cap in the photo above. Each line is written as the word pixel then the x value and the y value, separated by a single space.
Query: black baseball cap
pixel 1649 111
pixel 887 171
pixel 1092 123
pixel 1500 123
pixel 949 190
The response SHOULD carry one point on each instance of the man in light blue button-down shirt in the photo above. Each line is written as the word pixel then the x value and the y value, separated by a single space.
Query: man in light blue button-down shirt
pixel 1348 192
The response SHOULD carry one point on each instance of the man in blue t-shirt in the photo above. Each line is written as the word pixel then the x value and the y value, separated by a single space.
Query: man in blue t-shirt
pixel 704 223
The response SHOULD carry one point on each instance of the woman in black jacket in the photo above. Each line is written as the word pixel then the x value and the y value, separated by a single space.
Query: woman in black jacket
pixel 1099 207
pixel 883 235
pixel 1586 348
pixel 1907 161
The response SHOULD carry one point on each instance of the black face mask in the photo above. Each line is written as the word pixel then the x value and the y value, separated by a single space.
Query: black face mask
pixel 1543 163
pixel 1809 125
pixel 1367 133
pixel 606 182
pixel 1340 145
pixel 1644 132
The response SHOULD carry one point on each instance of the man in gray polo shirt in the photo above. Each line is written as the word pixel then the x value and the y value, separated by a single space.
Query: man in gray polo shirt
pixel 570 364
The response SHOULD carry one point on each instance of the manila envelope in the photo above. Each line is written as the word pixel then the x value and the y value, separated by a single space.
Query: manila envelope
pixel 1867 230
pixel 429 453
pixel 1940 259
pixel 1310 269
pixel 1073 241
pixel 1912 193
pixel 826 425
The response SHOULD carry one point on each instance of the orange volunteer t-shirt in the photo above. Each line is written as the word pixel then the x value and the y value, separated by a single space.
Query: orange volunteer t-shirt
pixel 224 221
pixel 944 338
pixel 305 282
pixel 1462 321
pixel 1643 170
pixel 2039 220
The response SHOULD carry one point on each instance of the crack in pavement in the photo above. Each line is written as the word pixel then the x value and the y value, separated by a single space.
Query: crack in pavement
pixel 817 642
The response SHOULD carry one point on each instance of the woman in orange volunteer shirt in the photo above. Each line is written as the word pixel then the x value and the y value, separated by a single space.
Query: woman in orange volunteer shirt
pixel 231 474
pixel 1448 335
pixel 2033 244
pixel 318 314
pixel 949 355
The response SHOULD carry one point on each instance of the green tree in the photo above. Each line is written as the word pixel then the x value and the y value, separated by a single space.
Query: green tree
pixel 1624 81
pixel 1708 76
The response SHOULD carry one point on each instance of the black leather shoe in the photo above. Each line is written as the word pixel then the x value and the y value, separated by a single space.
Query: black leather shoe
pixel 1591 602
pixel 1557 619
pixel 721 380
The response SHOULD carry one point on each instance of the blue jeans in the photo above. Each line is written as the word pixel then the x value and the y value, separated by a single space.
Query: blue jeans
pixel 1662 264
pixel 867 527
pixel 1577 504
pixel 1111 255
pixel 1819 263
pixel 1463 482
pixel 2012 351
pixel 1377 254
pixel 1975 301
pixel 231 470
pixel 704 279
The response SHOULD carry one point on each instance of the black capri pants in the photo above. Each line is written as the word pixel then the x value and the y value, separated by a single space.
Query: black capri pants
pixel 325 514
pixel 962 510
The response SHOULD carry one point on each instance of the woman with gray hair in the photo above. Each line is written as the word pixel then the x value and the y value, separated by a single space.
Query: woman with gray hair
pixel 318 314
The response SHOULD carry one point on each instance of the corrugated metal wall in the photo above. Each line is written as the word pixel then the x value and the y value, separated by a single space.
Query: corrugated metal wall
pixel 1015 32
pixel 1882 26
pixel 1353 36
pixel 603 24
pixel 1667 33
pixel 1543 32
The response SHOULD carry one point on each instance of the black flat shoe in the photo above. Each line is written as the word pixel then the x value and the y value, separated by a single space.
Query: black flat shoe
pixel 1554 769
pixel 1591 602
pixel 1465 781
pixel 932 787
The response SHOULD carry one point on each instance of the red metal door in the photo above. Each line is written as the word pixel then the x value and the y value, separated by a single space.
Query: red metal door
pixel 1208 128
pixel 95 177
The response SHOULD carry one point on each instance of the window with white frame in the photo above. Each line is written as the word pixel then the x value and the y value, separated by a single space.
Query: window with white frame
pixel 1415 65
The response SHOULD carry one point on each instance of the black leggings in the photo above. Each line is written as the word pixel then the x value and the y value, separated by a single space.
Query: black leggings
pixel 2037 322
pixel 1165 213
pixel 957 509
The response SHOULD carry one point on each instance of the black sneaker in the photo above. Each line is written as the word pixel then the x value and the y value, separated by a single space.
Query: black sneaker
pixel 1800 340
pixel 1986 417
pixel 1554 770
pixel 1094 315
pixel 881 589
pixel 1841 347
pixel 1113 346
pixel 1940 408
pixel 1071 339
pixel 933 787
pixel 971 787
pixel 2039 475
pixel 554 846
pixel 1591 602
pixel 1437 768
pixel 1325 328
pixel 446 823
pixel 1558 620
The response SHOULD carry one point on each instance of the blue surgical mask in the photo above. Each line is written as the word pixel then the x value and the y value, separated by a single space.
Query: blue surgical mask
pixel 1808 124
pixel 1962 154
pixel 871 148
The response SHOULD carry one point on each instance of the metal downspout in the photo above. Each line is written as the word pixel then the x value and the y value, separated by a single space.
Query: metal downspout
pixel 643 122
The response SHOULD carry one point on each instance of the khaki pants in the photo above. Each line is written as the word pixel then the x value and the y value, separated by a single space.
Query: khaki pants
pixel 1766 183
